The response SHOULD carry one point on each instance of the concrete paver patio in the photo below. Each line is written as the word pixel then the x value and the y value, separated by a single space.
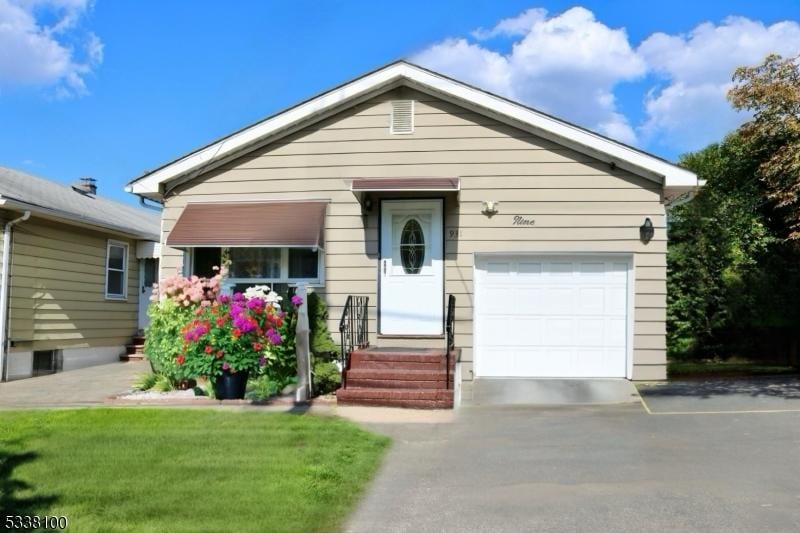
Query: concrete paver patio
pixel 85 386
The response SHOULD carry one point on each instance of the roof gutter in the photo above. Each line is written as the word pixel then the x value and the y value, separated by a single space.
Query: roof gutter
pixel 50 213
pixel 4 291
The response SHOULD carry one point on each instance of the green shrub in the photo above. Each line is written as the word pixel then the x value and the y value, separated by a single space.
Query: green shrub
pixel 320 339
pixel 163 339
pixel 326 377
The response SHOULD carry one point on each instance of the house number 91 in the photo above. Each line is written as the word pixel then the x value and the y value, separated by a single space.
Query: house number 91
pixel 453 233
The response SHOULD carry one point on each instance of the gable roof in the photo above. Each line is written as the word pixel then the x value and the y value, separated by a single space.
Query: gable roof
pixel 402 73
pixel 20 190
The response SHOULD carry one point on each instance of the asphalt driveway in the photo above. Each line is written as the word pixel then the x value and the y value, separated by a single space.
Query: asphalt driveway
pixel 723 395
pixel 602 468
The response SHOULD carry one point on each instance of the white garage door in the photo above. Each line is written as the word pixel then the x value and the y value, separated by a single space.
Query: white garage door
pixel 547 316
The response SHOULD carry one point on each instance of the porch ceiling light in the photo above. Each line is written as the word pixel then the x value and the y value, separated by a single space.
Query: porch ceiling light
pixel 646 230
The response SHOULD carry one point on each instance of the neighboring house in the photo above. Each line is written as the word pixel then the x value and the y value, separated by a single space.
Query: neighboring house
pixel 80 272
pixel 406 186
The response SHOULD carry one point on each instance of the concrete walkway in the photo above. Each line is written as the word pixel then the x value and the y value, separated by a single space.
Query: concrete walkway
pixel 590 468
pixel 85 386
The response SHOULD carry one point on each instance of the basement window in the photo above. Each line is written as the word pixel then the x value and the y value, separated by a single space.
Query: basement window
pixel 45 362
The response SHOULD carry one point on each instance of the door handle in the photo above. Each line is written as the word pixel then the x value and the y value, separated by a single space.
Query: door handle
pixel 384 267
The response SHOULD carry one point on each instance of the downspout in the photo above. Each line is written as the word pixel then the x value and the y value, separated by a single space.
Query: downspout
pixel 4 291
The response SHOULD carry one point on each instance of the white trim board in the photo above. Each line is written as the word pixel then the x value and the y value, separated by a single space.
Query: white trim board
pixel 402 73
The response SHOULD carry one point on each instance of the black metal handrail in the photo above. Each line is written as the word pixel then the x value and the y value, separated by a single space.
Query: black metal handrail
pixel 450 323
pixel 353 329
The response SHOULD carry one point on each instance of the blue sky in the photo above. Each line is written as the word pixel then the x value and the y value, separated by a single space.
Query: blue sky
pixel 110 89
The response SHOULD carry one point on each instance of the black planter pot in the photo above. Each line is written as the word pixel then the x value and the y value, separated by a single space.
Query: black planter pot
pixel 230 386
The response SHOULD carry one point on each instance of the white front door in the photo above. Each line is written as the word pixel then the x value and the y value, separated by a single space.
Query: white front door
pixel 551 316
pixel 148 274
pixel 411 268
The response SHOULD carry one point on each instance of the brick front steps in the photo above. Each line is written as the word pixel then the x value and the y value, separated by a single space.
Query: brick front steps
pixel 398 377
pixel 135 350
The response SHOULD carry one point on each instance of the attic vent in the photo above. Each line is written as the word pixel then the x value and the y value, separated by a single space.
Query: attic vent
pixel 402 120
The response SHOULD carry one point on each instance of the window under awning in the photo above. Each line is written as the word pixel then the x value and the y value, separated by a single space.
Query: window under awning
pixel 222 224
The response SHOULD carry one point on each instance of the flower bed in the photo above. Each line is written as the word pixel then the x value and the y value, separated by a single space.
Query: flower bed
pixel 196 332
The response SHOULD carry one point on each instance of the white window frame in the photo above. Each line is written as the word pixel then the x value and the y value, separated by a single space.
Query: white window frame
pixel 126 250
pixel 228 283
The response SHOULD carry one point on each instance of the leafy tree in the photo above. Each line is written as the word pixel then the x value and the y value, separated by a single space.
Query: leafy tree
pixel 734 259
pixel 771 91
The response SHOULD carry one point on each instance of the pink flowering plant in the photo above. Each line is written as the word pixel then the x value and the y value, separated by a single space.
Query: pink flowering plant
pixel 174 303
pixel 234 334
pixel 188 291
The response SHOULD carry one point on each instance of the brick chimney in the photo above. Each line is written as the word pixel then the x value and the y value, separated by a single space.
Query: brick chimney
pixel 86 185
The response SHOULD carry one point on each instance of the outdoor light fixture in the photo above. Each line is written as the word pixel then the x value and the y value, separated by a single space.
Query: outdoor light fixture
pixel 646 230
pixel 489 209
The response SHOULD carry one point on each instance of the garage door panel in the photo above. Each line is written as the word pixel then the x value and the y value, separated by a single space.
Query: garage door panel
pixel 589 331
pixel 498 300
pixel 529 269
pixel 494 268
pixel 618 272
pixel 616 332
pixel 559 317
pixel 557 331
pixel 528 301
pixel 504 330
pixel 617 301
pixel 592 272
pixel 557 300
pixel 591 301
pixel 558 269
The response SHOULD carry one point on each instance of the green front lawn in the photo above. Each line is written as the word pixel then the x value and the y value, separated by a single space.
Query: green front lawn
pixel 680 369
pixel 184 470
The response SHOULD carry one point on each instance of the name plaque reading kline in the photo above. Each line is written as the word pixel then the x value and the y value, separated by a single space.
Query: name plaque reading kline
pixel 522 221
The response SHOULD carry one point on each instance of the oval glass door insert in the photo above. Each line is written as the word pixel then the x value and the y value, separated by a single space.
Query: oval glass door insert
pixel 412 247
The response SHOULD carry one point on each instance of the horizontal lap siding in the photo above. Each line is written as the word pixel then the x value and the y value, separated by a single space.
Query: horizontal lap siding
pixel 579 204
pixel 58 289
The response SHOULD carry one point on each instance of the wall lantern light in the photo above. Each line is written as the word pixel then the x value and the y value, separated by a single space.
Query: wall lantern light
pixel 489 208
pixel 646 230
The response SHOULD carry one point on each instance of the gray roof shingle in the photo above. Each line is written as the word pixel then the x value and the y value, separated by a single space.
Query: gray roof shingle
pixel 90 209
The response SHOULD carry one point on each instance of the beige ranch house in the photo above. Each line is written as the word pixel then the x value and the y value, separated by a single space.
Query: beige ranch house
pixel 426 204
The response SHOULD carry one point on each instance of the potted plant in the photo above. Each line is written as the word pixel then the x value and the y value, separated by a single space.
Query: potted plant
pixel 231 338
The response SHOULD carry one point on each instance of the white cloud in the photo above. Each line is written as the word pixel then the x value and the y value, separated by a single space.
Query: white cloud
pixel 690 110
pixel 43 45
pixel 570 65
pixel 513 26
pixel 567 65
pixel 469 62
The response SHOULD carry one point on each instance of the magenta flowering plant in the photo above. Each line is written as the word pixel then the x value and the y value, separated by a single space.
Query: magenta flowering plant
pixel 234 334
